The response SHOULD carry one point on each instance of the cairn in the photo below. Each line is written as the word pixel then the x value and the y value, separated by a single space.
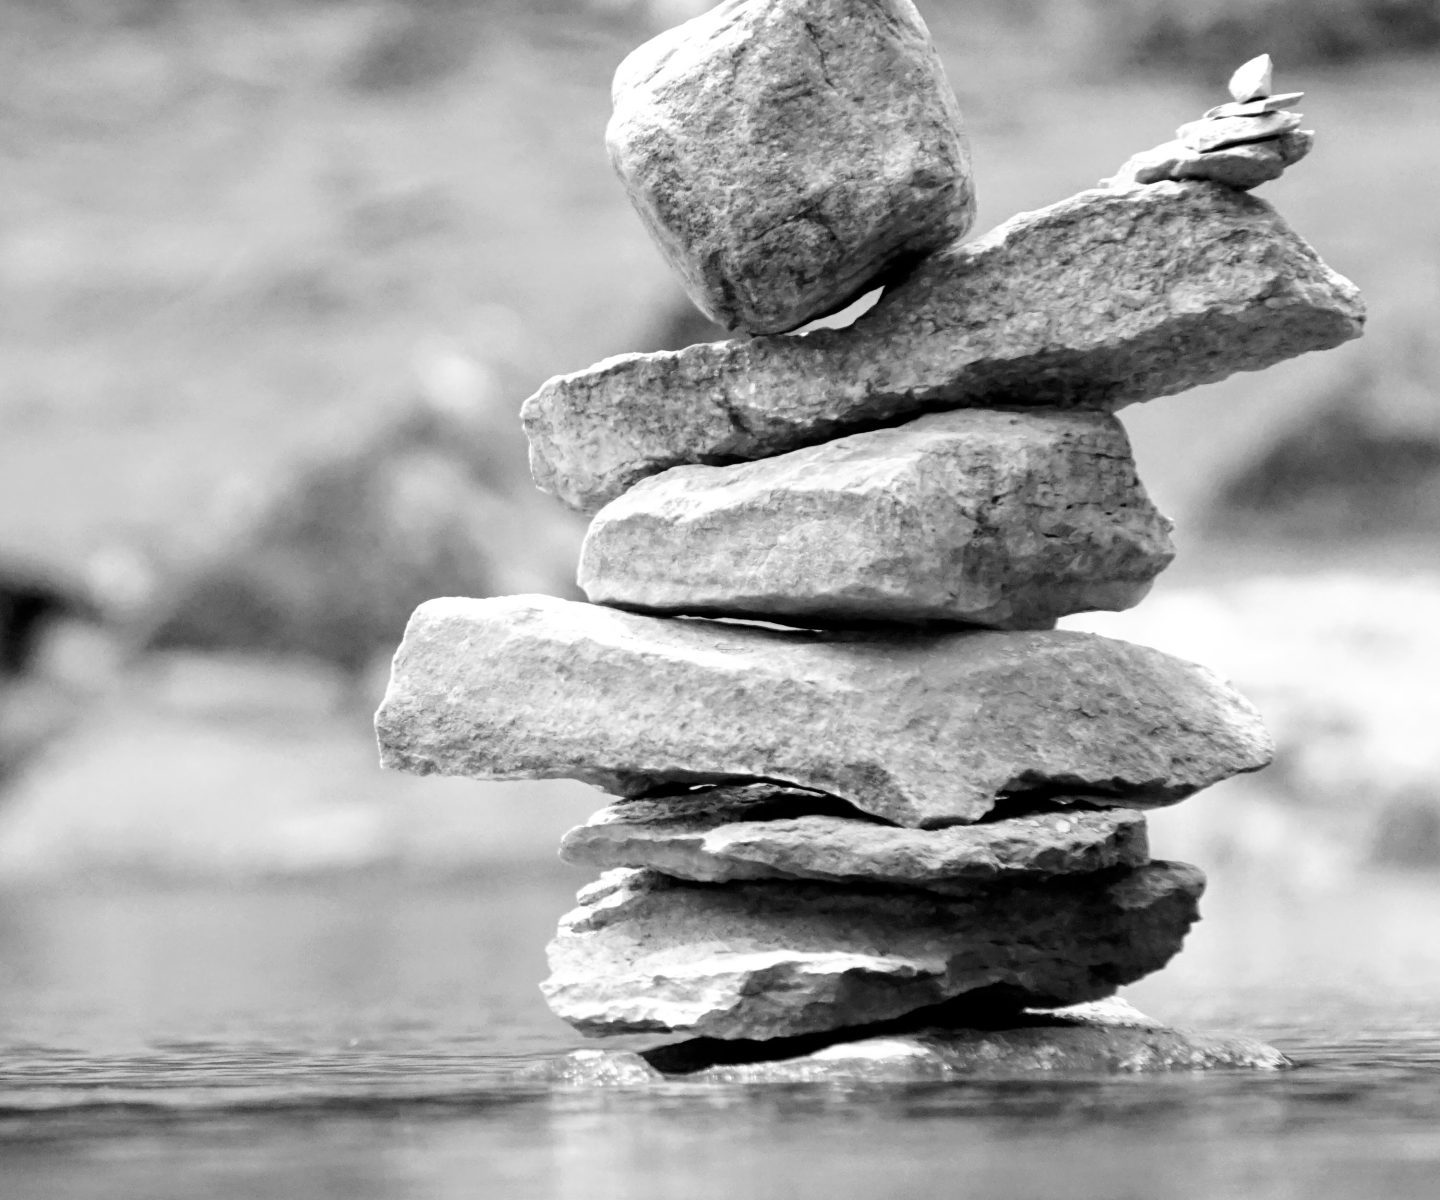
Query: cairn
pixel 864 785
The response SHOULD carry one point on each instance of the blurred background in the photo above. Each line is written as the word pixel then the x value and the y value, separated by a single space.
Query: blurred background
pixel 276 277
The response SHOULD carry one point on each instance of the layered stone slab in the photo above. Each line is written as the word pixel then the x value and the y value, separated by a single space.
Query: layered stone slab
pixel 646 953
pixel 1245 166
pixel 787 154
pixel 1218 132
pixel 764 831
pixel 991 518
pixel 922 730
pixel 1110 297
pixel 1108 1037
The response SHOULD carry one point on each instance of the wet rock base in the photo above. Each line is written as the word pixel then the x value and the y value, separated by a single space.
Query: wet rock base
pixel 1104 1038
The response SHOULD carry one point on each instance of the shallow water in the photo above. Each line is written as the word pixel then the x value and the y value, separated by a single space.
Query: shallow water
pixel 361 1039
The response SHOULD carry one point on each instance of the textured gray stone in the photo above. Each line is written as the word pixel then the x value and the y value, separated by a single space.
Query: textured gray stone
pixel 1108 1037
pixel 764 831
pixel 787 154
pixel 646 953
pixel 1242 167
pixel 922 730
pixel 1105 299
pixel 990 518
pixel 1215 133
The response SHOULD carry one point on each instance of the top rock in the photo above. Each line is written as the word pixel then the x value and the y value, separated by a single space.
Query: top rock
pixel 1253 80
pixel 789 155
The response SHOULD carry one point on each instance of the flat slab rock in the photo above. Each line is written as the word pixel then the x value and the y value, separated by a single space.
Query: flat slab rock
pixel 763 831
pixel 1108 1037
pixel 1244 167
pixel 787 154
pixel 922 730
pixel 1110 297
pixel 648 953
pixel 1003 519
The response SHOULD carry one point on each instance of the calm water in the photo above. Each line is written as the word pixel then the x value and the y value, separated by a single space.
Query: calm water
pixel 360 1040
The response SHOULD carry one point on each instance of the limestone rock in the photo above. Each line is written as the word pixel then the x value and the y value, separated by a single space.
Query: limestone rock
pixel 787 154
pixel 1108 1037
pixel 922 730
pixel 645 953
pixel 1215 133
pixel 1105 299
pixel 990 518
pixel 716 835
pixel 1243 167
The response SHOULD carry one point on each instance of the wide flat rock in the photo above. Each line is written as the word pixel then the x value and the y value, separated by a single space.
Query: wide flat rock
pixel 764 831
pixel 920 729
pixel 768 959
pixel 1108 1037
pixel 787 154
pixel 1244 166
pixel 1107 298
pixel 1003 519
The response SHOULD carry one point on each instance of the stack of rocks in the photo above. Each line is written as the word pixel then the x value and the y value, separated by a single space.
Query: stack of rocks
pixel 1242 144
pixel 891 797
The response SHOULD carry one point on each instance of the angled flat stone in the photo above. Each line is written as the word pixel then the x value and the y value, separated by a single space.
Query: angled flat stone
pixel 1215 133
pixel 922 730
pixel 990 518
pixel 1107 1037
pixel 1253 108
pixel 1243 167
pixel 1105 299
pixel 764 831
pixel 787 155
pixel 645 953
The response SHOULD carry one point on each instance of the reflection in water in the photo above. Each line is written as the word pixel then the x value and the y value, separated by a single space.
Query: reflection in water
pixel 360 1040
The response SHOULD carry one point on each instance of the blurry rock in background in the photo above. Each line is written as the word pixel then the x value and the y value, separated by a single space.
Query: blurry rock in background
pixel 1359 462
pixel 1212 33
pixel 41 694
pixel 329 561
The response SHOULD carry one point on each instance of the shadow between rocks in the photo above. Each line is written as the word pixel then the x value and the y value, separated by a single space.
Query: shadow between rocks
pixel 990 1009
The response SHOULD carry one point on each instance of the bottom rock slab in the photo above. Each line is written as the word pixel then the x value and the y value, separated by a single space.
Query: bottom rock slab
pixel 768 959
pixel 1109 1038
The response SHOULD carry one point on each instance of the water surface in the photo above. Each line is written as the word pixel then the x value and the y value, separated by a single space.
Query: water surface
pixel 362 1039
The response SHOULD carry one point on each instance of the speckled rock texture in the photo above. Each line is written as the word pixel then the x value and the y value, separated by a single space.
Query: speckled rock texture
pixel 1108 1037
pixel 1104 299
pixel 647 953
pixel 920 729
pixel 787 155
pixel 764 831
pixel 1002 519
pixel 1244 167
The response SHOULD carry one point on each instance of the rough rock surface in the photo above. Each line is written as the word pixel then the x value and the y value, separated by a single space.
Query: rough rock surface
pixel 1104 299
pixel 922 730
pixel 989 518
pixel 1108 1037
pixel 787 154
pixel 1244 167
pixel 646 953
pixel 764 831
